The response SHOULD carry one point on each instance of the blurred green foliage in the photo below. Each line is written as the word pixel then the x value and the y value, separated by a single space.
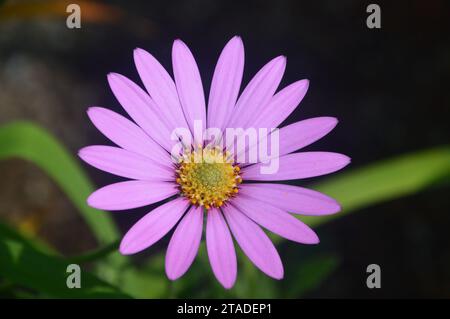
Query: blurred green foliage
pixel 27 141
pixel 30 142
pixel 24 268
pixel 29 268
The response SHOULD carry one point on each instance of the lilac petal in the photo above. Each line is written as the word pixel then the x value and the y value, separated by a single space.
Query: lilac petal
pixel 276 220
pixel 258 92
pixel 300 134
pixel 299 165
pixel 221 253
pixel 293 199
pixel 226 83
pixel 141 108
pixel 189 84
pixel 161 87
pixel 295 136
pixel 153 226
pixel 281 105
pixel 127 135
pixel 254 242
pixel 184 244
pixel 130 194
pixel 124 163
pixel 275 112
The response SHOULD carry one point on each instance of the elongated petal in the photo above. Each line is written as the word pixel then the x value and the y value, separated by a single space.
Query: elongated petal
pixel 161 87
pixel 141 108
pixel 300 134
pixel 272 115
pixel 189 84
pixel 299 165
pixel 184 244
pixel 293 199
pixel 153 226
pixel 130 194
pixel 281 105
pixel 127 135
pixel 276 220
pixel 124 163
pixel 226 83
pixel 291 138
pixel 221 253
pixel 258 92
pixel 254 242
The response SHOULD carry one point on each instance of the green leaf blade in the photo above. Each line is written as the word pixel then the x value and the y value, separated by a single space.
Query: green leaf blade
pixel 30 142
pixel 26 266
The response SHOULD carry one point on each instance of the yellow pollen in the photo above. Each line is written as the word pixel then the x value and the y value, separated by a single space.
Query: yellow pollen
pixel 207 176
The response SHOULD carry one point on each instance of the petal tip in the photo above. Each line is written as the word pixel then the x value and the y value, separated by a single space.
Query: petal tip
pixel 278 274
pixel 178 43
pixel 112 76
pixel 93 110
pixel 326 122
pixel 116 76
pixel 82 152
pixel 172 275
pixel 337 208
pixel 125 250
pixel 281 59
pixel 92 201
pixel 279 277
pixel 139 53
pixel 314 240
pixel 237 39
pixel 228 284
pixel 173 272
pixel 305 83
pixel 342 161
pixel 333 121
pixel 347 159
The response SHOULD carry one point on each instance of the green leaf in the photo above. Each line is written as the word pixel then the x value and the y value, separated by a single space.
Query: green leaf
pixel 24 265
pixel 146 281
pixel 310 274
pixel 384 180
pixel 251 281
pixel 95 254
pixel 27 141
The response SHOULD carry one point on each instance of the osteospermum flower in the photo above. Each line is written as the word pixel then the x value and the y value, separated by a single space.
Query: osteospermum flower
pixel 205 178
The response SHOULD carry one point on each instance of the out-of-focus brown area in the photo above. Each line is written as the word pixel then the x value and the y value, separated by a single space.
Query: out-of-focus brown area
pixel 39 84
pixel 93 11
pixel 45 91
pixel 32 203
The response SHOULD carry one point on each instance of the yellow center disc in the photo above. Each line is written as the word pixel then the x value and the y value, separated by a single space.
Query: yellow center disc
pixel 207 177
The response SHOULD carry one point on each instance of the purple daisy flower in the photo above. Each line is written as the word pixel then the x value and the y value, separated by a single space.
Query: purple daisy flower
pixel 217 185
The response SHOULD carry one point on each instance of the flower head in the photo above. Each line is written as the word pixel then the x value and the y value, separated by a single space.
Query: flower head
pixel 179 151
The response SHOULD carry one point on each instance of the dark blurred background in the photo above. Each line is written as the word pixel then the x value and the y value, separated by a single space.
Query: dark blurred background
pixel 389 88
